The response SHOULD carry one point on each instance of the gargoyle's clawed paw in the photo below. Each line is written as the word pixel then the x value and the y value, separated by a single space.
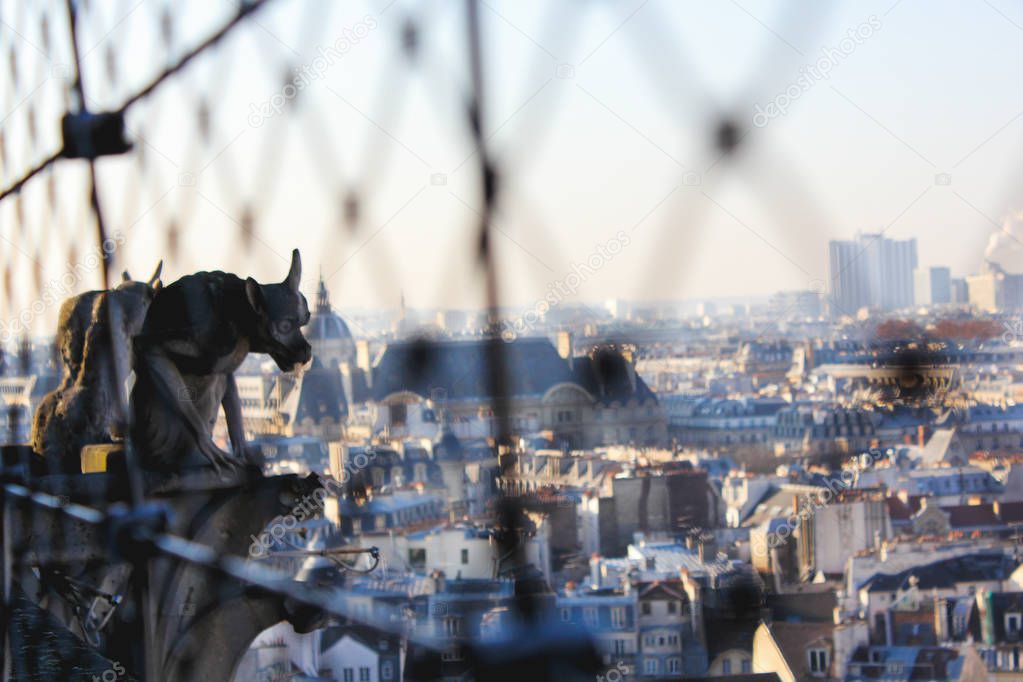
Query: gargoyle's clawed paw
pixel 222 461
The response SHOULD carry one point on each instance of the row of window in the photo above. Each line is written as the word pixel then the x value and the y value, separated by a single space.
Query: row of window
pixel 819 660
pixel 591 616
pixel 378 477
pixel 421 512
pixel 417 557
pixel 652 666
pixel 746 666
pixel 568 416
pixel 660 640
pixel 618 615
pixel 348 674
pixel 646 608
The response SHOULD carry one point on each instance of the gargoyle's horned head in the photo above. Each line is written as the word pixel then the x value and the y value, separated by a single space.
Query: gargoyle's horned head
pixel 134 298
pixel 146 290
pixel 281 311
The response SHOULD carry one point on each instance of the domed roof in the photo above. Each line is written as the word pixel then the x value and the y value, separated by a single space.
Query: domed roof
pixel 326 326
pixel 324 323
pixel 448 448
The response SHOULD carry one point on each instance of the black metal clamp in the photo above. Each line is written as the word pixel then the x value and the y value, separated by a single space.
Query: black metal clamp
pixel 88 135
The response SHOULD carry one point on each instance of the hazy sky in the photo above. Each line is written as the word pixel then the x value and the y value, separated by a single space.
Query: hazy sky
pixel 601 115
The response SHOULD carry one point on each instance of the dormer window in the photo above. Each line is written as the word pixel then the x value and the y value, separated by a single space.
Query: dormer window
pixel 452 626
pixel 819 661
pixel 1013 622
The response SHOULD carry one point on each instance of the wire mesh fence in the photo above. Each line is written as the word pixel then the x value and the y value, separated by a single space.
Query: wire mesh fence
pixel 125 83
pixel 219 137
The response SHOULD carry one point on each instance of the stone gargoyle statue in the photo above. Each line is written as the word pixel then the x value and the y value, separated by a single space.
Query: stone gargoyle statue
pixel 196 334
pixel 94 333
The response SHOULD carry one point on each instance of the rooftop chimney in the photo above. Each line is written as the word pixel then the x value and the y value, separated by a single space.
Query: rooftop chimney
pixel 565 346
pixel 363 360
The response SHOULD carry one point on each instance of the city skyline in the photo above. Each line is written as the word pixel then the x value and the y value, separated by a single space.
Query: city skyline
pixel 587 148
pixel 396 341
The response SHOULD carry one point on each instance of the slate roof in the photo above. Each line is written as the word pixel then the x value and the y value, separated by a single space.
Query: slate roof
pixel 1011 512
pixel 460 368
pixel 605 375
pixel 322 394
pixel 898 663
pixel 670 557
pixel 741 407
pixel 985 412
pixel 966 516
pixel 947 572
pixel 533 366
pixel 793 639
pixel 361 391
pixel 809 606
pixel 448 448
pixel 723 635
pixel 974 516
pixel 661 590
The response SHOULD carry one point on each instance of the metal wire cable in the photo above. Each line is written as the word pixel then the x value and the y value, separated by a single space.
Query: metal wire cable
pixel 491 176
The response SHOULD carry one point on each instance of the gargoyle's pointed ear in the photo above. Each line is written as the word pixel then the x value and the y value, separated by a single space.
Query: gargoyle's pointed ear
pixel 294 277
pixel 254 294
pixel 155 279
pixel 125 277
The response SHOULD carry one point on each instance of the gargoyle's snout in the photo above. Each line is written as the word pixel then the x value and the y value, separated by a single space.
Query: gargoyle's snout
pixel 288 358
pixel 305 354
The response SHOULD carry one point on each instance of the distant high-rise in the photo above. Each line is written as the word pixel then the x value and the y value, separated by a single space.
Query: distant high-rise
pixel 706 309
pixel 959 291
pixel 932 286
pixel 871 270
pixel 994 290
pixel 618 308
